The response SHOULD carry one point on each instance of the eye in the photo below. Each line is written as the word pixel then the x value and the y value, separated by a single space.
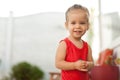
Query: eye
pixel 73 23
pixel 82 22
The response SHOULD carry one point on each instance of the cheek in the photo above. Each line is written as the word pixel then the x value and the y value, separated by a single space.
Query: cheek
pixel 87 27
pixel 70 28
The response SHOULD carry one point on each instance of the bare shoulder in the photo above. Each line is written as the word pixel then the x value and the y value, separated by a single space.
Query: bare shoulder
pixel 62 43
pixel 89 49
pixel 61 47
pixel 61 50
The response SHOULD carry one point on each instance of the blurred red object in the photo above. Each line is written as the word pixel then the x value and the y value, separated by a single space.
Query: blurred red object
pixel 104 73
pixel 105 57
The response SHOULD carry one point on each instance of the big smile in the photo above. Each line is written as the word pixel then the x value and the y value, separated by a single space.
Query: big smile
pixel 78 31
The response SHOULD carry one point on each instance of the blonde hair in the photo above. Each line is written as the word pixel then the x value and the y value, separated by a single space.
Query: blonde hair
pixel 76 6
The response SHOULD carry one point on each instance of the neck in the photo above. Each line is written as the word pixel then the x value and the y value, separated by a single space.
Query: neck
pixel 74 39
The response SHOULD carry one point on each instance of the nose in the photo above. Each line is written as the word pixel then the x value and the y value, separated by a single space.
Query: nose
pixel 77 25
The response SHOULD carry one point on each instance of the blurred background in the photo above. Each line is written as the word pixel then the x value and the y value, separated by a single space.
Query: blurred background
pixel 30 30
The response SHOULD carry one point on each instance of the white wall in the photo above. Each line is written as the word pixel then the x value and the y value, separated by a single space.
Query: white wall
pixel 35 38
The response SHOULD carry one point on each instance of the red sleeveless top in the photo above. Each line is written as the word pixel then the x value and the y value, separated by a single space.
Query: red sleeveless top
pixel 73 54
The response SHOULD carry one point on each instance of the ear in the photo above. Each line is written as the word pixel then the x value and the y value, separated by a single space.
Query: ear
pixel 66 24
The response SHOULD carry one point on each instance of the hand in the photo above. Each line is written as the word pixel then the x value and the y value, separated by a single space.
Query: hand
pixel 83 69
pixel 81 65
pixel 89 65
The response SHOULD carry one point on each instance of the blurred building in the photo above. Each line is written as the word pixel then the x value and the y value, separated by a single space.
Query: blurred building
pixel 110 28
pixel 34 39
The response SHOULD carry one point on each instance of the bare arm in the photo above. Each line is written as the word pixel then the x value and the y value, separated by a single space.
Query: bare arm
pixel 90 59
pixel 60 58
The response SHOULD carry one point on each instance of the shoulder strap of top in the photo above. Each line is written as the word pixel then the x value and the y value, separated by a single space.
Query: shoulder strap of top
pixel 85 45
pixel 66 41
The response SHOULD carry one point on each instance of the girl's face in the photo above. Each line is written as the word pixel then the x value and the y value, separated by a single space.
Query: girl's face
pixel 77 23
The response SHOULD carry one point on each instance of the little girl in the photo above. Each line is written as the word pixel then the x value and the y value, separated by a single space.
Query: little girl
pixel 74 55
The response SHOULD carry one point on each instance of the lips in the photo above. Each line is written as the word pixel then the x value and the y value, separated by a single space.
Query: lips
pixel 78 32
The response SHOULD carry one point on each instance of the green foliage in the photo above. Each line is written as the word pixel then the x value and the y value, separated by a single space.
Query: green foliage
pixel 109 60
pixel 25 71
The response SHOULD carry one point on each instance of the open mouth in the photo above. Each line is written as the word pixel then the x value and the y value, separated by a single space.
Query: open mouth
pixel 77 31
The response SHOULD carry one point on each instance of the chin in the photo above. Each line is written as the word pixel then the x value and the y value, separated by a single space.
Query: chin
pixel 77 37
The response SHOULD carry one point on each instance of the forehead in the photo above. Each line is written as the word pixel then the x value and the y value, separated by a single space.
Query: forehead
pixel 78 13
